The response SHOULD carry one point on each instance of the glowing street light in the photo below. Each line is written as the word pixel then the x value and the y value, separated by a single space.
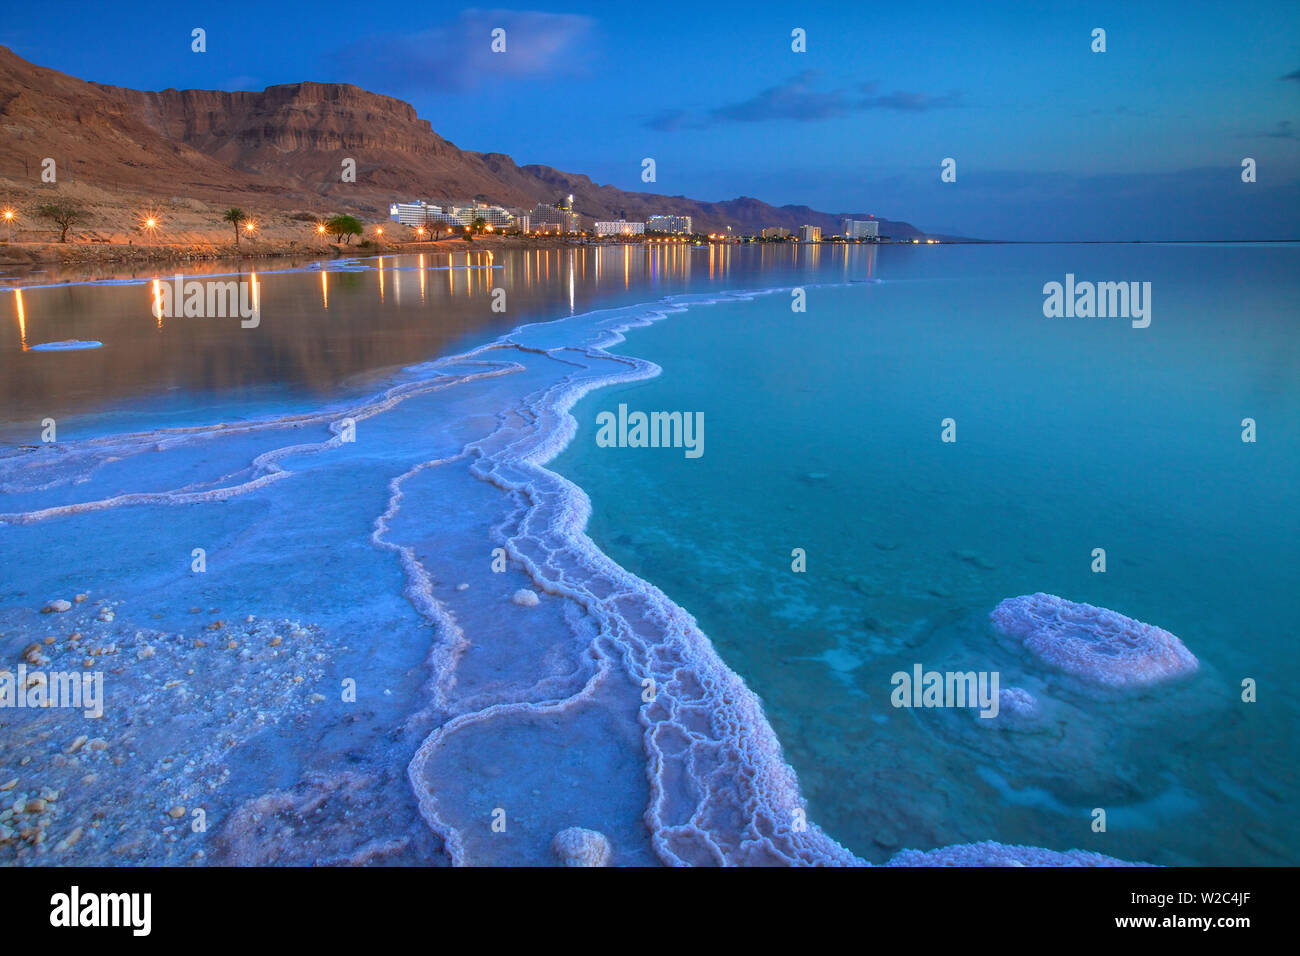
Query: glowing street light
pixel 149 224
pixel 379 230
pixel 320 228
pixel 249 227
pixel 9 224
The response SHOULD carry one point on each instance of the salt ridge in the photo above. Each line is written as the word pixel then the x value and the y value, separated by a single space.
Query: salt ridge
pixel 705 728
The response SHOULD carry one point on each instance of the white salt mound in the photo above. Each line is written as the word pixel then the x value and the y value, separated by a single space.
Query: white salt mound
pixel 525 598
pixel 577 846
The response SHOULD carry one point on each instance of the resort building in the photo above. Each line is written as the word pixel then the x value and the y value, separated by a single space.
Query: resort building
pixel 620 227
pixel 776 232
pixel 495 216
pixel 415 213
pixel 810 233
pixel 674 225
pixel 523 221
pixel 559 220
pixel 860 229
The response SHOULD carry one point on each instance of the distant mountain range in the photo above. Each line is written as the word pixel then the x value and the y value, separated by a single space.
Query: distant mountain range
pixel 283 147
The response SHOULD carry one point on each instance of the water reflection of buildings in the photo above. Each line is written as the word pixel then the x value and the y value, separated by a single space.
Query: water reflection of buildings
pixel 320 329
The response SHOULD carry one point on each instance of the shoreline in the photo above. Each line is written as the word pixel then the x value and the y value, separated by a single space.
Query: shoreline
pixel 635 631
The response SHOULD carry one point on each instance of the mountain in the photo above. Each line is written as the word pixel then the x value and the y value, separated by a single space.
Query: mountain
pixel 284 147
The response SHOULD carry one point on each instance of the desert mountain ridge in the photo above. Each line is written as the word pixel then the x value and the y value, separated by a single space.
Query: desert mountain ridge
pixel 283 147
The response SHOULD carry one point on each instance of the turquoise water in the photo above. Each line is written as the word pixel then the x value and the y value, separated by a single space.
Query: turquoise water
pixel 823 433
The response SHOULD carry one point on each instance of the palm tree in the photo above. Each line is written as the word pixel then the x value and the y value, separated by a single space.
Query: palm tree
pixel 235 216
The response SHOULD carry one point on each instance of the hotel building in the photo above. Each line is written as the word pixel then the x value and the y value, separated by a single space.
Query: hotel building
pixel 620 227
pixel 860 229
pixel 674 225
pixel 810 233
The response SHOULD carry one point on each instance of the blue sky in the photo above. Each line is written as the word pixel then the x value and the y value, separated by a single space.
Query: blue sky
pixel 1051 140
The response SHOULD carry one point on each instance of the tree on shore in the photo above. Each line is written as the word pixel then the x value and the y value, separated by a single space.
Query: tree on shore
pixel 344 227
pixel 235 216
pixel 62 215
pixel 479 224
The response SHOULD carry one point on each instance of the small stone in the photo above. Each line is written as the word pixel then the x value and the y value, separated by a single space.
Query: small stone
pixel 35 805
pixel 232 645
pixel 76 745
pixel 176 812
pixel 578 846
pixel 9 785
pixel 58 606
pixel 462 587
pixel 81 597
pixel 69 840
pixel 277 641
pixel 525 598
pixel 317 698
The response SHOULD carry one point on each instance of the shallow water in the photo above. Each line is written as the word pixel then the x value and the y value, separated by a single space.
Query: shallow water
pixel 824 433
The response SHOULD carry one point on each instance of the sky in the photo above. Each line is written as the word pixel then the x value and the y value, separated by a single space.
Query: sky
pixel 1051 140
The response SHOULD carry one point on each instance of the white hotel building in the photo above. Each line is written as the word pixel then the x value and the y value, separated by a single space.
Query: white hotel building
pixel 675 225
pixel 462 214
pixel 860 228
pixel 620 227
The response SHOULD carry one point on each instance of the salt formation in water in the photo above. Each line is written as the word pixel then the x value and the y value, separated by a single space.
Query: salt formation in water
pixel 71 345
pixel 1096 645
pixel 1017 708
pixel 577 846
pixel 608 687
pixel 525 598
pixel 989 853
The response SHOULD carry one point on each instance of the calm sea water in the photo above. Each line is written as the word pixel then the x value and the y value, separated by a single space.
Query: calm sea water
pixel 823 432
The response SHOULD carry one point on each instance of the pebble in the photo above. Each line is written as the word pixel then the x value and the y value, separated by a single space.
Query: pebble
pixel 76 745
pixel 9 785
pixel 57 606
pixel 81 597
pixel 525 598
pixel 176 812
pixel 462 587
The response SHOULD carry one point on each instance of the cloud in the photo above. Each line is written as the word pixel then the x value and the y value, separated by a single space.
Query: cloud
pixel 1293 75
pixel 1282 130
pixel 457 56
pixel 800 100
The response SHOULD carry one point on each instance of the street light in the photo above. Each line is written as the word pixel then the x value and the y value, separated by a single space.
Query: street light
pixel 149 224
pixel 9 224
